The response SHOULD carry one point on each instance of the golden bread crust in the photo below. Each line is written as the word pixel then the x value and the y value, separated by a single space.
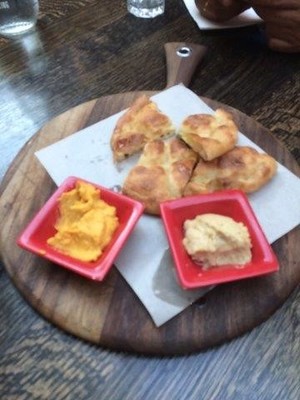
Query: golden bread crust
pixel 242 168
pixel 210 135
pixel 142 122
pixel 161 173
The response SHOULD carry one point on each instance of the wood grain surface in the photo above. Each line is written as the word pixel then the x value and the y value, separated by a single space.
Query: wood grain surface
pixel 109 313
pixel 87 49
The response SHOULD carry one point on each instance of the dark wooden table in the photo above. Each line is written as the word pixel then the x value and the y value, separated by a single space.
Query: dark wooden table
pixel 86 49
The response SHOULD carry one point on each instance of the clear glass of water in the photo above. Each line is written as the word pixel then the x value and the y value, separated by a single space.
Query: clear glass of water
pixel 146 8
pixel 17 16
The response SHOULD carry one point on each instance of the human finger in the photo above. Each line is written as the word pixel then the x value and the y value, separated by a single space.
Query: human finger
pixel 282 26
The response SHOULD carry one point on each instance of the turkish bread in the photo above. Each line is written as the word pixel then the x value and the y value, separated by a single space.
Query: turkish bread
pixel 161 174
pixel 141 123
pixel 210 135
pixel 242 168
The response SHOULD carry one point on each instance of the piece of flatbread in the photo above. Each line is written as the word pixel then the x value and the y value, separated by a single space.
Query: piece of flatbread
pixel 161 173
pixel 210 135
pixel 242 168
pixel 141 123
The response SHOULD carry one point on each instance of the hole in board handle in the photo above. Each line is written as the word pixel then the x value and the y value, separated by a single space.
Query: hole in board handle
pixel 184 51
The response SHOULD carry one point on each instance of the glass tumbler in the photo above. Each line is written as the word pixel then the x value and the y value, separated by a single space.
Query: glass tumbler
pixel 146 8
pixel 17 16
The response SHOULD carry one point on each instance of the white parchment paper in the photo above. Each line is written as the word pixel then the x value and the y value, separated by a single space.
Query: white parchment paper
pixel 248 17
pixel 145 261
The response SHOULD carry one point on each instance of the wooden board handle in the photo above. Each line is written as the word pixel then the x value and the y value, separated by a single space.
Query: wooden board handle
pixel 182 59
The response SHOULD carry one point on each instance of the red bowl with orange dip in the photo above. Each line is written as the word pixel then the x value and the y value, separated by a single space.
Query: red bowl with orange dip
pixel 35 237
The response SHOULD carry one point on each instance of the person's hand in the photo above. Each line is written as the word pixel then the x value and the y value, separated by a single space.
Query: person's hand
pixel 281 17
pixel 282 21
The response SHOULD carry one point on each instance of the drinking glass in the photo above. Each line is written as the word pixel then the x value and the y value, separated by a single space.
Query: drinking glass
pixel 146 8
pixel 17 16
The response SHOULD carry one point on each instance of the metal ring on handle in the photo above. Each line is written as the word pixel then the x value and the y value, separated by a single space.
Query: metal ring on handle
pixel 184 51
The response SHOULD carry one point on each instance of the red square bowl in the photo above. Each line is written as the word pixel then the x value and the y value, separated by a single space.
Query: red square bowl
pixel 231 203
pixel 34 237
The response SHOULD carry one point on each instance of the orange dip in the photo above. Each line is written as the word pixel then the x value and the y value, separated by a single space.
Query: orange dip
pixel 86 224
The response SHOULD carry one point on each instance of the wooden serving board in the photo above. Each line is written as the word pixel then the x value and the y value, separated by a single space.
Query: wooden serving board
pixel 108 313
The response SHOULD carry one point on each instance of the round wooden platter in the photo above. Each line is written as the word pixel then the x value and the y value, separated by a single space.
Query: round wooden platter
pixel 108 313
